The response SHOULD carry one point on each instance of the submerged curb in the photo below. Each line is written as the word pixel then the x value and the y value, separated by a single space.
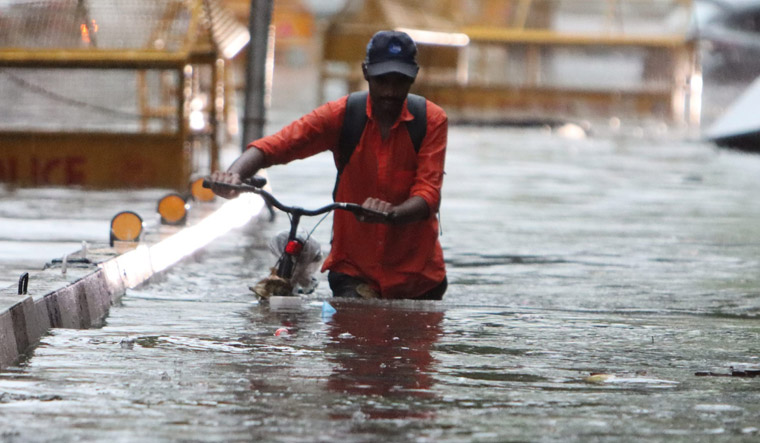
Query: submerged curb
pixel 79 293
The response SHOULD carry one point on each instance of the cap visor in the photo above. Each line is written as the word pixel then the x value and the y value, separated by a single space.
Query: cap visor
pixel 388 67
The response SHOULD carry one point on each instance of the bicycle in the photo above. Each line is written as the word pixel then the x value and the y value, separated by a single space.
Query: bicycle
pixel 283 279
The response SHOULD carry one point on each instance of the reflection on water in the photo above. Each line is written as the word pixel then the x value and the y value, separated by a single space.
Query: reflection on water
pixel 633 258
pixel 384 351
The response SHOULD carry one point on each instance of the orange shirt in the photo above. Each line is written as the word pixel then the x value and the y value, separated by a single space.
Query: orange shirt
pixel 400 261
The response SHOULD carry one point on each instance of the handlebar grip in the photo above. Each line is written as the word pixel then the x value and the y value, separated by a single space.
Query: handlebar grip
pixel 256 181
pixel 385 215
pixel 359 210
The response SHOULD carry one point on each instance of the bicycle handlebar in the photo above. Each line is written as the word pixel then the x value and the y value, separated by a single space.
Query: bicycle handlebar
pixel 255 183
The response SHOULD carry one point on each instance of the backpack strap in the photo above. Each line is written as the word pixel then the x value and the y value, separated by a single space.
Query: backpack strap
pixel 356 119
pixel 417 128
pixel 353 127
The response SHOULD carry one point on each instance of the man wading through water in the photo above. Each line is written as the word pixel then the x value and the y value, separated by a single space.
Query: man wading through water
pixel 390 157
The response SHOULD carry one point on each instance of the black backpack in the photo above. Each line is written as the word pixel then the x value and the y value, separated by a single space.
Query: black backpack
pixel 356 119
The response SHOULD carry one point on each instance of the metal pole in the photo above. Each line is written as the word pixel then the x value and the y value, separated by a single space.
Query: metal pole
pixel 254 115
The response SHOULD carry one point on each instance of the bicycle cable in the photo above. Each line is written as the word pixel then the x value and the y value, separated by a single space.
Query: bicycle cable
pixel 316 226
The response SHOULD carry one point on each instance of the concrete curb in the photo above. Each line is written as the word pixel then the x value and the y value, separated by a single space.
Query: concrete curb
pixel 81 297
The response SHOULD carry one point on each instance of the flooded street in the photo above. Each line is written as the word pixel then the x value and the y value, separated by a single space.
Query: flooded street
pixel 632 257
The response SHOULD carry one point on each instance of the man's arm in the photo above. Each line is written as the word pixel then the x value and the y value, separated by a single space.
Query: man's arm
pixel 244 167
pixel 248 163
pixel 311 134
pixel 413 209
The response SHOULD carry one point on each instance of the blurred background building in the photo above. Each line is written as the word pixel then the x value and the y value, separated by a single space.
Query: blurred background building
pixel 492 60
pixel 128 93
pixel 143 93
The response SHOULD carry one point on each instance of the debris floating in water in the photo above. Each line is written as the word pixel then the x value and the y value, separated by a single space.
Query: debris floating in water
pixel 598 378
pixel 327 310
pixel 639 377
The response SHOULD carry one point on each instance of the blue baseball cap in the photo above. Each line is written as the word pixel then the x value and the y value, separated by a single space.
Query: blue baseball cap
pixel 391 51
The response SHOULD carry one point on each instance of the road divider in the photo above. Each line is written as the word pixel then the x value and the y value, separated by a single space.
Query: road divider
pixel 78 291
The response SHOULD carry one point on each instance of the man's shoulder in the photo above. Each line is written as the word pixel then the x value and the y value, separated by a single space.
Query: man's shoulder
pixel 435 113
pixel 331 110
pixel 338 103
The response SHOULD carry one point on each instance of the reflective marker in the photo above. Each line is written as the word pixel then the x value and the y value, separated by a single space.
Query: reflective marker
pixel 125 226
pixel 200 193
pixel 173 209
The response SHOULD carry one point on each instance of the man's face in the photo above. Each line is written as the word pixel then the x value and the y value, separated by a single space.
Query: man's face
pixel 388 92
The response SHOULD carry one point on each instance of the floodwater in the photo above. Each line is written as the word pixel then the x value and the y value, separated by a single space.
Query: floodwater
pixel 632 256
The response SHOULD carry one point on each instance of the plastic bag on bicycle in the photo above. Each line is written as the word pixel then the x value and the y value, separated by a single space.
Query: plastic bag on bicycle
pixel 308 263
